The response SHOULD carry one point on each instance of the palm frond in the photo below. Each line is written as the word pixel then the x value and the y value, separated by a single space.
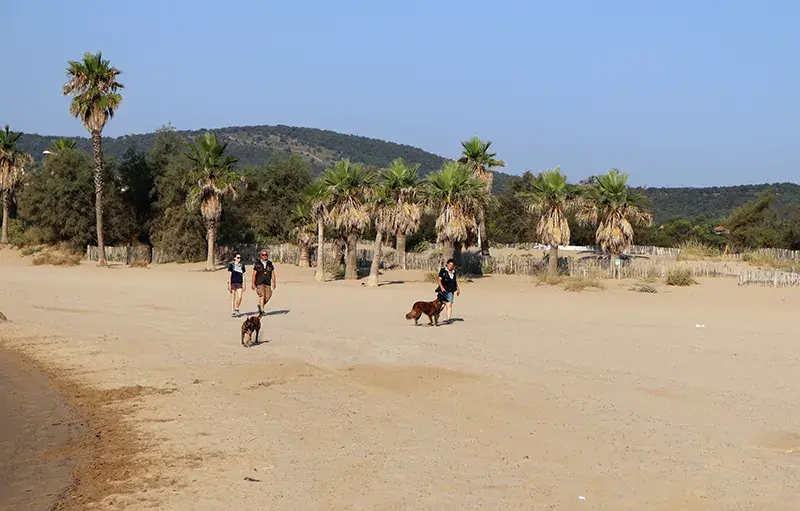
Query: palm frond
pixel 93 84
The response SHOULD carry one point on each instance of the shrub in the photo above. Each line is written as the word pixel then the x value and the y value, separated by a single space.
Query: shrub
pixel 25 252
pixel 694 249
pixel 768 260
pixel 15 232
pixel 139 263
pixel 574 283
pixel 644 288
pixel 57 257
pixel 577 284
pixel 432 277
pixel 336 271
pixel 422 246
pixel 680 276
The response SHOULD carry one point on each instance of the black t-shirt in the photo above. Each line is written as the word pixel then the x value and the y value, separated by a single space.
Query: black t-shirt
pixel 263 272
pixel 449 284
pixel 237 273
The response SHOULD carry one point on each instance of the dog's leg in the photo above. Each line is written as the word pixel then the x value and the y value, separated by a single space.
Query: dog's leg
pixel 436 320
pixel 257 331
pixel 243 338
pixel 430 320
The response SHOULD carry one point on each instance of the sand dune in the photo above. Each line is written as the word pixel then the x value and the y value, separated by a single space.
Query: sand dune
pixel 535 397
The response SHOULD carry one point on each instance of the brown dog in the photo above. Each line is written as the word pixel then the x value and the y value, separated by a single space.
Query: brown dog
pixel 430 309
pixel 251 326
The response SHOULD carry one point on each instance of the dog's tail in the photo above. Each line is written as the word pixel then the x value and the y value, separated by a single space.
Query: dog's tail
pixel 410 315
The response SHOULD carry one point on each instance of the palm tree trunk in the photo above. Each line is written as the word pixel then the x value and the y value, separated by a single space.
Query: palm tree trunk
pixel 320 275
pixel 212 239
pixel 552 266
pixel 401 249
pixel 484 238
pixel 351 267
pixel 372 281
pixel 457 246
pixel 6 206
pixel 303 262
pixel 98 195
pixel 447 251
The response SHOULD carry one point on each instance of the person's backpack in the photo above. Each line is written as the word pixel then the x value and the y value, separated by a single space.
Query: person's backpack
pixel 440 295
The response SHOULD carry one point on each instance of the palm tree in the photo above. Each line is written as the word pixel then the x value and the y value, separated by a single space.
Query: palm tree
pixel 456 196
pixel 610 204
pixel 550 201
pixel 12 173
pixel 348 187
pixel 212 171
pixel 316 198
pixel 63 144
pixel 381 207
pixel 403 185
pixel 476 156
pixel 304 226
pixel 93 84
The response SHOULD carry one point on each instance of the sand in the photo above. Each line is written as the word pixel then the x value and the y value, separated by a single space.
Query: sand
pixel 533 398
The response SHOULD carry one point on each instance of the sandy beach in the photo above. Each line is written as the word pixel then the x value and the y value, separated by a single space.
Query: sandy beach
pixel 533 398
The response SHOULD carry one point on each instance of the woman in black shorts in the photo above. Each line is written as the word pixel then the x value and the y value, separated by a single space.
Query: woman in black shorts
pixel 236 283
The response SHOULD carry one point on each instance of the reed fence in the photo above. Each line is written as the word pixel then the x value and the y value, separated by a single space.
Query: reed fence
pixel 123 254
pixel 771 278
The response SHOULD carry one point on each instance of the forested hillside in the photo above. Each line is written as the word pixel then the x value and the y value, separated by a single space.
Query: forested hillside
pixel 254 145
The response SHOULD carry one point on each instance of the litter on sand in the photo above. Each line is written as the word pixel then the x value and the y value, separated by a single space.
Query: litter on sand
pixel 699 326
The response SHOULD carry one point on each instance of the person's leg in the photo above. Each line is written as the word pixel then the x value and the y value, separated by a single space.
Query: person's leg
pixel 239 293
pixel 262 295
pixel 450 297
pixel 233 301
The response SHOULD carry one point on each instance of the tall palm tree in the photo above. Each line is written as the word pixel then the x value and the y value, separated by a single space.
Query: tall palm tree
pixel 382 208
pixel 476 156
pixel 317 198
pixel 457 197
pixel 304 226
pixel 93 84
pixel 348 186
pixel 212 170
pixel 616 211
pixel 403 185
pixel 550 201
pixel 12 173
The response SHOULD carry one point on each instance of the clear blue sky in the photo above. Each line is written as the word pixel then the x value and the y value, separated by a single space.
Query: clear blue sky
pixel 675 92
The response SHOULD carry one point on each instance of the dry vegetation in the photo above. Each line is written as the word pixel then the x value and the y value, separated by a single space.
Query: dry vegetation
pixel 139 263
pixel 643 287
pixel 693 250
pixel 680 276
pixel 769 260
pixel 57 256
pixel 570 283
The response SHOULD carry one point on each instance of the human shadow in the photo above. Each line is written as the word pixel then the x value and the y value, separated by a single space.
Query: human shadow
pixel 270 313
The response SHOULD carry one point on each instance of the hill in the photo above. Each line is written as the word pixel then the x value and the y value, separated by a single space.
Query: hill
pixel 713 203
pixel 253 145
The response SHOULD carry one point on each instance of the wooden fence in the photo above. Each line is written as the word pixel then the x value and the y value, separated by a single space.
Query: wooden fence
pixel 123 254
pixel 772 278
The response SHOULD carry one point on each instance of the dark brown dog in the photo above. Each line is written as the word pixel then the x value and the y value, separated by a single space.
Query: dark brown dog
pixel 430 309
pixel 251 326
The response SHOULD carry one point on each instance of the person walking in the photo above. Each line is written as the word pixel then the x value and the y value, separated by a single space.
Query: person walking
pixel 449 286
pixel 263 280
pixel 236 283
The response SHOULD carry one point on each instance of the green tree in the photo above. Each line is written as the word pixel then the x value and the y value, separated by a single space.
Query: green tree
pixel 476 156
pixel 12 172
pixel 174 230
pixel 348 186
pixel 137 189
pixel 403 187
pixel 615 210
pixel 58 202
pixel 457 197
pixel 549 202
pixel 93 84
pixel 212 170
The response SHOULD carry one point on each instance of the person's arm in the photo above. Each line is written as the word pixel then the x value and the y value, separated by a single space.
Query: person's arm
pixel 458 288
pixel 230 275
pixel 274 280
pixel 441 285
pixel 254 278
pixel 244 272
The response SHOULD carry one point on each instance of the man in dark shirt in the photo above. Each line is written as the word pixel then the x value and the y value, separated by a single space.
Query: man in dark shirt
pixel 448 284
pixel 263 280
